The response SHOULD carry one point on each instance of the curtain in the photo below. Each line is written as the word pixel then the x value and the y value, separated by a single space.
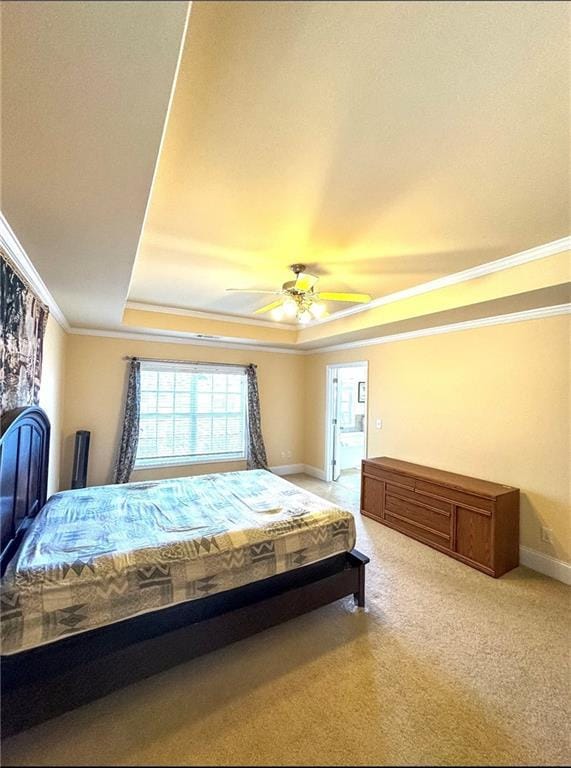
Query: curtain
pixel 130 434
pixel 23 319
pixel 256 458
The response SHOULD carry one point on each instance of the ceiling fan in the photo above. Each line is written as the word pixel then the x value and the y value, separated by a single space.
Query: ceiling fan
pixel 300 298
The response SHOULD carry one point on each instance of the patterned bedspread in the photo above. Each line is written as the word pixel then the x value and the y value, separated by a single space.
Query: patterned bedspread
pixel 99 555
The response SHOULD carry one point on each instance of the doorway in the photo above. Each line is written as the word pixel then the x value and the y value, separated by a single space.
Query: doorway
pixel 346 422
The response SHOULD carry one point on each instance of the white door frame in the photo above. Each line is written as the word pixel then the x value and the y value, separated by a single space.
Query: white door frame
pixel 329 375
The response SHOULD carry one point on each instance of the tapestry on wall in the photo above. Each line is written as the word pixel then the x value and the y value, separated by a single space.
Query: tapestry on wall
pixel 23 319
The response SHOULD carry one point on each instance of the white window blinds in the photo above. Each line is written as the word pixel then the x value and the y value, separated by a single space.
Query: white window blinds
pixel 191 413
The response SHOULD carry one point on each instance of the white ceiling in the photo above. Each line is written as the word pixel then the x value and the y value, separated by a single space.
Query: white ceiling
pixel 85 89
pixel 383 144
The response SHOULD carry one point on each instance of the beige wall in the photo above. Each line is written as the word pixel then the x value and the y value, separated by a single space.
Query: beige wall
pixel 95 387
pixel 490 402
pixel 52 395
pixel 178 323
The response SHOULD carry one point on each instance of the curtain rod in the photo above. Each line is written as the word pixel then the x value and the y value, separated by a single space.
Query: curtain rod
pixel 187 362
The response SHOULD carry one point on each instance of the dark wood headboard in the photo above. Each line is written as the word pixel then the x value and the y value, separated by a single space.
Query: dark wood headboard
pixel 24 453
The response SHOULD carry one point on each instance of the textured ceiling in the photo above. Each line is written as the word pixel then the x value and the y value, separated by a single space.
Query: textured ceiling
pixel 383 144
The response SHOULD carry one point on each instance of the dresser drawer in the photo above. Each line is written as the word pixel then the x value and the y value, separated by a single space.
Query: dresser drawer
pixel 390 477
pixel 436 521
pixel 443 492
pixel 416 530
pixel 418 498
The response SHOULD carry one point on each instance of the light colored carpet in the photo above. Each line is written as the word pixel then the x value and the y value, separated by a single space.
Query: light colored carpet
pixel 447 666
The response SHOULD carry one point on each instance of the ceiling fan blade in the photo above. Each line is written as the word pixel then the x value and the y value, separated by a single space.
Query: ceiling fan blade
pixel 358 298
pixel 251 290
pixel 305 281
pixel 269 307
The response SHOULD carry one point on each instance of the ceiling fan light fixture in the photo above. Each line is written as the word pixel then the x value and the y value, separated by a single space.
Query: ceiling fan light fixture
pixel 290 308
pixel 318 309
pixel 278 313
pixel 300 299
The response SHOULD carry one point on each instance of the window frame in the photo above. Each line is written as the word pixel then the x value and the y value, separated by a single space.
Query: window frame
pixel 205 458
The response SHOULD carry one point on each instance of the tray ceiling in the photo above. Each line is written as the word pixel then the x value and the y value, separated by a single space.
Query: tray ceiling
pixel 85 91
pixel 383 144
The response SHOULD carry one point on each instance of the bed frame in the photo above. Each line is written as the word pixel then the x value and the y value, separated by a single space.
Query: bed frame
pixel 46 681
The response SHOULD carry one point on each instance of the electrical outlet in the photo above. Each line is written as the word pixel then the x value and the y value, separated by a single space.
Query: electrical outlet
pixel 547 535
pixel 289 454
pixel 379 423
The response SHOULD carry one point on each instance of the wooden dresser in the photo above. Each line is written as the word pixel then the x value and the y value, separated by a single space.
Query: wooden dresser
pixel 471 520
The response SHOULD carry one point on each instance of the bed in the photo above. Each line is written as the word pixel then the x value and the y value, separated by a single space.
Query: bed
pixel 104 586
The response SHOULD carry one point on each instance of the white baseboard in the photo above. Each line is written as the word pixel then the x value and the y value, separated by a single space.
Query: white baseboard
pixel 314 472
pixel 298 469
pixel 288 469
pixel 549 566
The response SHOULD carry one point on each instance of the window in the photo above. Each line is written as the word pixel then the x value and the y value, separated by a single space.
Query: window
pixel 191 413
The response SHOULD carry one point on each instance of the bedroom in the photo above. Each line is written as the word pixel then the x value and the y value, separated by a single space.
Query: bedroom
pixel 412 159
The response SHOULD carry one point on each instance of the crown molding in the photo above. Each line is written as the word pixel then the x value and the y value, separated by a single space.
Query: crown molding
pixel 18 255
pixel 224 343
pixel 507 262
pixel 207 315
pixel 165 338
pixel 465 325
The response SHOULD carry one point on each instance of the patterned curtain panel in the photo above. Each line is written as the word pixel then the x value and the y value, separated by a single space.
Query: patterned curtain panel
pixel 23 319
pixel 130 435
pixel 256 458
